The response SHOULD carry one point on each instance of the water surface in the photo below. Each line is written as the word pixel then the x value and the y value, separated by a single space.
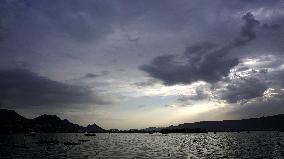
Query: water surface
pixel 220 145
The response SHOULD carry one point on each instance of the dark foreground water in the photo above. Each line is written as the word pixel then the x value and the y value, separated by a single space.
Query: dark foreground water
pixel 220 145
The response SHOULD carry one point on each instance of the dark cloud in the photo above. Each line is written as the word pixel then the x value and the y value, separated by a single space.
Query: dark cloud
pixel 73 20
pixel 204 61
pixel 105 72
pixel 149 82
pixel 263 92
pixel 263 71
pixel 166 69
pixel 199 94
pixel 91 75
pixel 247 33
pixel 242 90
pixel 209 67
pixel 261 107
pixel 68 38
pixel 276 78
pixel 81 22
pixel 23 88
pixel 248 84
pixel 275 27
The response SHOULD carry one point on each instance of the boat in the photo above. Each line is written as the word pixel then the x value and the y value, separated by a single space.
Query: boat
pixel 90 134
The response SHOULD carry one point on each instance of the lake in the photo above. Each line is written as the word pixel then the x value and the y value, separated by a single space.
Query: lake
pixel 208 145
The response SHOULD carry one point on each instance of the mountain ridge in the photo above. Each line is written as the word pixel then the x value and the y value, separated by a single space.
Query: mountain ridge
pixel 262 123
pixel 12 122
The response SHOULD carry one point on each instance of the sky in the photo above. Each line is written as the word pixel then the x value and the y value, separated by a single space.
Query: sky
pixel 135 64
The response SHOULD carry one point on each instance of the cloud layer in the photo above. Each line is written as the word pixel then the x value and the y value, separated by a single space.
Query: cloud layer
pixel 204 61
pixel 124 53
pixel 23 88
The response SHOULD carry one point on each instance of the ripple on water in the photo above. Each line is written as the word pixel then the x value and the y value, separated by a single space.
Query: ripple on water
pixel 220 145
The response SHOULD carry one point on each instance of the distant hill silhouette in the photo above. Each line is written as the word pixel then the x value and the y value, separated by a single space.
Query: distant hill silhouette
pixel 12 122
pixel 10 115
pixel 52 123
pixel 264 123
pixel 94 128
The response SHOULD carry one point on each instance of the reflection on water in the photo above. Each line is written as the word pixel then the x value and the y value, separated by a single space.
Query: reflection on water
pixel 220 145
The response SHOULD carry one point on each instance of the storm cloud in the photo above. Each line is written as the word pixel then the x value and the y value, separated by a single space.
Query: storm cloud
pixel 242 90
pixel 200 93
pixel 203 61
pixel 108 56
pixel 23 88
pixel 91 75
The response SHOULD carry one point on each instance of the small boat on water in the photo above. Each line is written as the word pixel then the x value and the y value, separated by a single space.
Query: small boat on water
pixel 90 134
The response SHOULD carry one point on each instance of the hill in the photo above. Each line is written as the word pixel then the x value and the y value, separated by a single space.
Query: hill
pixel 52 123
pixel 12 122
pixel 10 115
pixel 264 123
pixel 94 128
